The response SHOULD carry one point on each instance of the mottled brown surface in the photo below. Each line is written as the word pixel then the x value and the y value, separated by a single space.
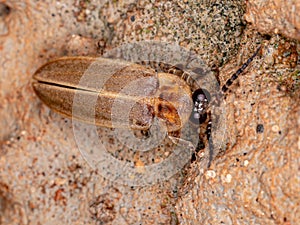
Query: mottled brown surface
pixel 45 180
pixel 257 180
pixel 275 17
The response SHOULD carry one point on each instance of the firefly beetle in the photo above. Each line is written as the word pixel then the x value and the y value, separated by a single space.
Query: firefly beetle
pixel 165 95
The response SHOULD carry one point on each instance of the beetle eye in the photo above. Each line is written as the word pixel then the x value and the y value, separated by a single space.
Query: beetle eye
pixel 201 94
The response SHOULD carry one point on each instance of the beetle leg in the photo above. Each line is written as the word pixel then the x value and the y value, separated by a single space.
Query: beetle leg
pixel 182 142
pixel 210 141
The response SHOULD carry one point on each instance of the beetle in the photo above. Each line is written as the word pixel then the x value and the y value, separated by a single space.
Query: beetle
pixel 164 95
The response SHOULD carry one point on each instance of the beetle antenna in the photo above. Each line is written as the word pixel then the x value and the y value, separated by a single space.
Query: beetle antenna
pixel 239 71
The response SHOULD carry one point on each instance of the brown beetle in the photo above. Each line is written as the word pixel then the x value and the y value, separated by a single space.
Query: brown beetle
pixel 161 95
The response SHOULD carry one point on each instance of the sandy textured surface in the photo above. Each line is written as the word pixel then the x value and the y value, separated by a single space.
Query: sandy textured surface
pixel 43 176
pixel 275 16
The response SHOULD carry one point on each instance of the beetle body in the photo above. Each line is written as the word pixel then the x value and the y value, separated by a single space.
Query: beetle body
pixel 119 94
pixel 102 82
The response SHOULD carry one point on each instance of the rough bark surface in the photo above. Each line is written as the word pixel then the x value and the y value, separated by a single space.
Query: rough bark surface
pixel 275 17
pixel 45 180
